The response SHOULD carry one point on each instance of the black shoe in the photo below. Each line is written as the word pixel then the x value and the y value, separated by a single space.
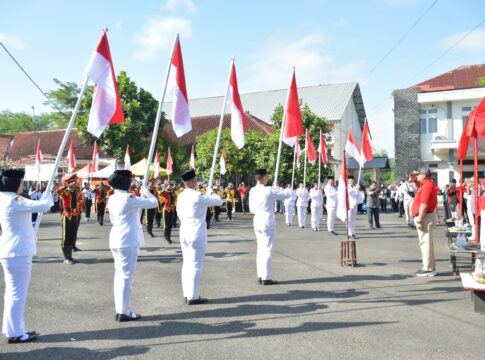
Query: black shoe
pixel 31 333
pixel 76 249
pixel 151 234
pixel 269 282
pixel 18 339
pixel 125 318
pixel 260 281
pixel 334 233
pixel 74 261
pixel 196 301
pixel 354 237
pixel 379 227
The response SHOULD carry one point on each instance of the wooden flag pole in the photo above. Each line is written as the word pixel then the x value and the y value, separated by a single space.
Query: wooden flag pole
pixel 219 131
pixel 156 127
pixel 61 150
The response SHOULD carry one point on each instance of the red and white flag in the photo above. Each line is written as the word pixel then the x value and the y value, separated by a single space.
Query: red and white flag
pixel 238 121
pixel 322 149
pixel 71 159
pixel 292 114
pixel 366 149
pixel 181 122
pixel 106 106
pixel 310 149
pixel 342 195
pixel 156 165
pixel 192 158
pixel 298 152
pixel 38 159
pixel 169 162
pixel 222 163
pixel 95 161
pixel 352 149
pixel 127 158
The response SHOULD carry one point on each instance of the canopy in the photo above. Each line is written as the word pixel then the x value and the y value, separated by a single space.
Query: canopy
pixel 83 173
pixel 105 172
pixel 140 168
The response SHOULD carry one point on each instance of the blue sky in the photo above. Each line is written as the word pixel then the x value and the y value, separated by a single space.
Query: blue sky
pixel 327 41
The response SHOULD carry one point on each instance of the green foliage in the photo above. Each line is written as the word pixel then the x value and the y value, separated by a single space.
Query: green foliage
pixel 481 81
pixel 65 97
pixel 385 177
pixel 11 123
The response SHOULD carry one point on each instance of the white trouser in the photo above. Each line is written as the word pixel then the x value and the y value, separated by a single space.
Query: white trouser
pixel 17 272
pixel 289 213
pixel 264 240
pixel 301 210
pixel 316 216
pixel 331 215
pixel 471 219
pixel 352 213
pixel 408 203
pixel 125 265
pixel 193 254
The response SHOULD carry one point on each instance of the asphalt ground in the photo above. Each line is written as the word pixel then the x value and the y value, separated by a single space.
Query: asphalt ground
pixel 319 310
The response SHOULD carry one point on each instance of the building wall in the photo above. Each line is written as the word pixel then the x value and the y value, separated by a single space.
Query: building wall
pixel 406 131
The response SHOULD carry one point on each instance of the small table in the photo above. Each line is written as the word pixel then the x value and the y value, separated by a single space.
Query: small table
pixel 454 250
pixel 477 292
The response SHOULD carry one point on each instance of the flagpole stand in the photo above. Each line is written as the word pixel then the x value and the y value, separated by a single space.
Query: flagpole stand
pixel 348 251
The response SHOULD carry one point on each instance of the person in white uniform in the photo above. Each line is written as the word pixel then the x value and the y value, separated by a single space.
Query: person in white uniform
pixel 355 198
pixel 290 204
pixel 17 246
pixel 408 189
pixel 126 238
pixel 191 210
pixel 261 204
pixel 302 204
pixel 470 205
pixel 316 207
pixel 331 204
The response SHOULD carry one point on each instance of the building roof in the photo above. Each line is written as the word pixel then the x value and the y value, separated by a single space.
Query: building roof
pixel 203 124
pixel 463 77
pixel 328 100
pixel 379 162
pixel 25 145
pixel 4 145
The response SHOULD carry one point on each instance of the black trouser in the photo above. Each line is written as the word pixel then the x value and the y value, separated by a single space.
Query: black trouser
pixel 217 212
pixel 373 213
pixel 167 224
pixel 208 217
pixel 401 208
pixel 245 205
pixel 100 207
pixel 447 210
pixel 383 204
pixel 174 218
pixel 34 217
pixel 394 205
pixel 150 218
pixel 87 209
pixel 229 210
pixel 158 218
pixel 69 234
pixel 78 222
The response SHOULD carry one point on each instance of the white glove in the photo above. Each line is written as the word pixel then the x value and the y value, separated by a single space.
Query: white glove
pixel 209 191
pixel 48 198
pixel 144 191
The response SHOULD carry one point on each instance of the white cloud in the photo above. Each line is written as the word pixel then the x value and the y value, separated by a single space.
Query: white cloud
pixel 172 5
pixel 158 34
pixel 120 23
pixel 12 41
pixel 474 42
pixel 271 67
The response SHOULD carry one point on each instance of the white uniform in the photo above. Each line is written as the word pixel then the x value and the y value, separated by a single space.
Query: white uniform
pixel 17 246
pixel 261 204
pixel 331 205
pixel 409 191
pixel 191 210
pixel 355 198
pixel 470 211
pixel 290 204
pixel 301 205
pixel 125 239
pixel 316 207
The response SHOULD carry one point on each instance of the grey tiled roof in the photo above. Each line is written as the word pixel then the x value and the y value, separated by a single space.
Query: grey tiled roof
pixel 379 162
pixel 328 100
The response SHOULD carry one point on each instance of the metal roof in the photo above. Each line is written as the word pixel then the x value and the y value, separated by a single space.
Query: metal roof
pixel 328 100
pixel 381 162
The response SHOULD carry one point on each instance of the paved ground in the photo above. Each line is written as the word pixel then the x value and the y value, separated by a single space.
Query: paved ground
pixel 378 310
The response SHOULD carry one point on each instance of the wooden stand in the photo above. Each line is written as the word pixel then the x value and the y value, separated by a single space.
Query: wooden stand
pixel 348 253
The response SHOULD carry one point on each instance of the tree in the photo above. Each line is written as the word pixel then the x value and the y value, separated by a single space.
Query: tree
pixel 481 81
pixel 12 123
pixel 385 177
pixel 65 97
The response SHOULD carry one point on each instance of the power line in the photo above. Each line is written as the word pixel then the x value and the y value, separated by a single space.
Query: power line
pixel 33 82
pixel 401 39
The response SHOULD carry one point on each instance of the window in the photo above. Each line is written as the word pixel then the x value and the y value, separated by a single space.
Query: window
pixel 466 108
pixel 464 120
pixel 432 125
pixel 423 126
pixel 432 111
pixel 423 112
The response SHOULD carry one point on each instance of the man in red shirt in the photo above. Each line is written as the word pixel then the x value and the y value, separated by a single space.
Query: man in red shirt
pixel 425 218
pixel 243 193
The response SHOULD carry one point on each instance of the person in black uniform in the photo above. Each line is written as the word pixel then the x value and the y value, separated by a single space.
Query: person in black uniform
pixel 150 213
pixel 101 194
pixel 167 198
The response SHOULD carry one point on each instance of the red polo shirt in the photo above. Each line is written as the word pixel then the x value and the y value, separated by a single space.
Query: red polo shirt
pixel 426 195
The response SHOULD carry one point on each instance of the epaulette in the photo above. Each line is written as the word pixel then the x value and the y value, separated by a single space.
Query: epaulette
pixel 132 196
pixel 19 198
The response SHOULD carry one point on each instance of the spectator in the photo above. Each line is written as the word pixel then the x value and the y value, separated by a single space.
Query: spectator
pixel 373 205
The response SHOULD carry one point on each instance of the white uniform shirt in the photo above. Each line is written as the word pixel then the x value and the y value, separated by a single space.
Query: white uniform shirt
pixel 261 204
pixel 123 213
pixel 331 194
pixel 191 210
pixel 303 197
pixel 406 188
pixel 356 197
pixel 18 236
pixel 291 201
pixel 88 194
pixel 316 197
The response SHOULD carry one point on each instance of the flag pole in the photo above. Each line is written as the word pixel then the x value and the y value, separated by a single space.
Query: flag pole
pixel 320 161
pixel 219 131
pixel 461 191
pixel 151 153
pixel 280 144
pixel 61 149
pixel 306 157
pixel 293 171
pixel 475 187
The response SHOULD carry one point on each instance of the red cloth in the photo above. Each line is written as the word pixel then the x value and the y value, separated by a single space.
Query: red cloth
pixel 426 194
pixel 243 191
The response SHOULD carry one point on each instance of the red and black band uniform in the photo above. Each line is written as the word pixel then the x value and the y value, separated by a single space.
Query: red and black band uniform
pixel 70 217
pixel 100 205
pixel 150 217
pixel 167 199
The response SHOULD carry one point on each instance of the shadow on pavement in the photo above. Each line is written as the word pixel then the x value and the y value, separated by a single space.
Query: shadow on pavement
pixel 347 278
